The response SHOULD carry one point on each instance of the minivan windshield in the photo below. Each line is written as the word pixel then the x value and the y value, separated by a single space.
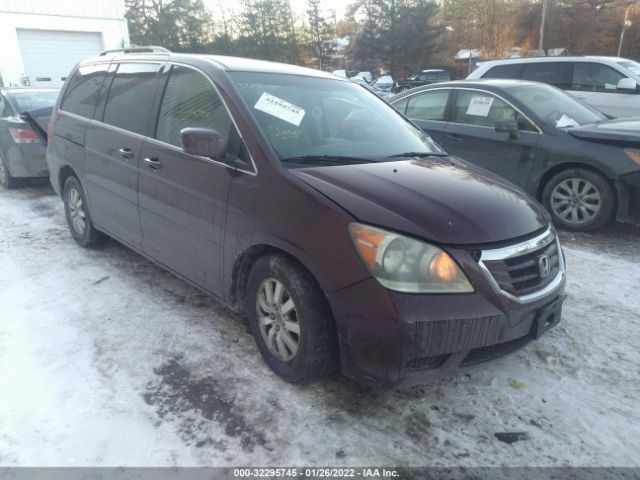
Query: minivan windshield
pixel 555 106
pixel 311 120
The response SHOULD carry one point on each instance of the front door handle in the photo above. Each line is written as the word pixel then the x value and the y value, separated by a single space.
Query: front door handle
pixel 125 152
pixel 153 162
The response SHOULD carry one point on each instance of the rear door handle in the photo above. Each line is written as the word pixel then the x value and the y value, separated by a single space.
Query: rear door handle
pixel 154 163
pixel 125 152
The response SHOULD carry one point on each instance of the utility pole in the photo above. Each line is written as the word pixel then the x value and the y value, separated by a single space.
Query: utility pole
pixel 542 22
pixel 626 24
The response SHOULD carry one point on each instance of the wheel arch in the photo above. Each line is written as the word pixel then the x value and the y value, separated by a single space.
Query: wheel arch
pixel 556 169
pixel 244 263
pixel 65 172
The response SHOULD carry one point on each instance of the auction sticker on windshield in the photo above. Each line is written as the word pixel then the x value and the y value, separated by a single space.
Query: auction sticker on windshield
pixel 480 106
pixel 280 108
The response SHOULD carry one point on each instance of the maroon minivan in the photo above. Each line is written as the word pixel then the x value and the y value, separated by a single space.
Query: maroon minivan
pixel 349 238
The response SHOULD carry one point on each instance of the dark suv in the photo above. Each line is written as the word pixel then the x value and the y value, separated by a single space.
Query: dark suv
pixel 349 238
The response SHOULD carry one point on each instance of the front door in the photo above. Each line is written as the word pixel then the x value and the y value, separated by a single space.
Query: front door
pixel 182 197
pixel 427 110
pixel 471 135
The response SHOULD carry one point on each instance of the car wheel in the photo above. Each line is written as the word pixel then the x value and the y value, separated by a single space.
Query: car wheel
pixel 77 214
pixel 579 200
pixel 6 180
pixel 290 320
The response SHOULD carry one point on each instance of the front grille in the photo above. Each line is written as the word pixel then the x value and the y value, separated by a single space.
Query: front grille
pixel 484 354
pixel 521 275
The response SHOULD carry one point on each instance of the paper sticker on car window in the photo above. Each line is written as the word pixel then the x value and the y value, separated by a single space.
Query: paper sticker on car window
pixel 566 121
pixel 280 108
pixel 480 106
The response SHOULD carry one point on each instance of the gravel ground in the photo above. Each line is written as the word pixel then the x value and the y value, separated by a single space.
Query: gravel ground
pixel 105 359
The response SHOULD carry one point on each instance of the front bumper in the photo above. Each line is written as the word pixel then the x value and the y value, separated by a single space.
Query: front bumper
pixel 396 339
pixel 27 160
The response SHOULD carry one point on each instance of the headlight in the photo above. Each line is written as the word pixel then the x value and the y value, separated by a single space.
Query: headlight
pixel 406 265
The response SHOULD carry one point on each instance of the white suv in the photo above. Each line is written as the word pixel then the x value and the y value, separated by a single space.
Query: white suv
pixel 610 84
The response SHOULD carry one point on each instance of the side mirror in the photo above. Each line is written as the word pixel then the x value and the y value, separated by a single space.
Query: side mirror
pixel 204 142
pixel 628 84
pixel 507 126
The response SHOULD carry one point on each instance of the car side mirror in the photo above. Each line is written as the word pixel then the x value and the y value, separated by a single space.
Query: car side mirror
pixel 204 142
pixel 507 126
pixel 628 84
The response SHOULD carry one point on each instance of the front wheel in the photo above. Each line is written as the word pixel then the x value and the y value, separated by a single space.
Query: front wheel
pixel 290 320
pixel 579 200
pixel 77 214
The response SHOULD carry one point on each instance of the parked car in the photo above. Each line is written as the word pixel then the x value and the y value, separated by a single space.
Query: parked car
pixel 384 86
pixel 425 77
pixel 582 166
pixel 609 84
pixel 366 76
pixel 347 236
pixel 24 116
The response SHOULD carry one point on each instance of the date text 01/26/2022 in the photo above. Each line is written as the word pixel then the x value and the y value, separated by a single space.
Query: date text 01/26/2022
pixel 315 472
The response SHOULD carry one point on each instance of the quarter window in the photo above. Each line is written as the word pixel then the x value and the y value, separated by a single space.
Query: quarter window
pixel 82 93
pixel 131 96
pixel 484 109
pixel 429 105
pixel 190 101
pixel 505 71
pixel 595 77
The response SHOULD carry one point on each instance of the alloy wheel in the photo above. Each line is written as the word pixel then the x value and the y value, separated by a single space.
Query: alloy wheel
pixel 277 319
pixel 76 211
pixel 576 200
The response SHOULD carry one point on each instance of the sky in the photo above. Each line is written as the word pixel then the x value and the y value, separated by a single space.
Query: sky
pixel 299 7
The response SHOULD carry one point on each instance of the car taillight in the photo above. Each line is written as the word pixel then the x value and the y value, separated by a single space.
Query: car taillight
pixel 50 131
pixel 24 135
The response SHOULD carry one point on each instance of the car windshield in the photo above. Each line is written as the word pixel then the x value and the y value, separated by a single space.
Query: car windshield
pixel 631 65
pixel 311 120
pixel 555 106
pixel 30 101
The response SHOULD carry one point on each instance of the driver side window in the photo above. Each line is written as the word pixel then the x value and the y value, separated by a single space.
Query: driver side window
pixel 484 109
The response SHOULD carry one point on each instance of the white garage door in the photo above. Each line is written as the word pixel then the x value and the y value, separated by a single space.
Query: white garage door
pixel 49 55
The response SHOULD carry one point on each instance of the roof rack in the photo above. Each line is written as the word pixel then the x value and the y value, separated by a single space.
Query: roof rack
pixel 149 49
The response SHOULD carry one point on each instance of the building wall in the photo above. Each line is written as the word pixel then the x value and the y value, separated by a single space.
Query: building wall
pixel 103 16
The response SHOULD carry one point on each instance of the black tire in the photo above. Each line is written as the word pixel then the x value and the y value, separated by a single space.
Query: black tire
pixel 317 352
pixel 88 236
pixel 583 220
pixel 6 180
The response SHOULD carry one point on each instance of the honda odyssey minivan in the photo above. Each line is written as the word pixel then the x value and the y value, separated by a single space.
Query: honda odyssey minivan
pixel 349 238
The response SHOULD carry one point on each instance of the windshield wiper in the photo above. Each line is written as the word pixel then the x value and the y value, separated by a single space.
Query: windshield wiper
pixel 327 159
pixel 419 154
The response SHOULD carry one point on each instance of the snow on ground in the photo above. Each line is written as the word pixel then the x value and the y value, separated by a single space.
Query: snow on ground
pixel 105 360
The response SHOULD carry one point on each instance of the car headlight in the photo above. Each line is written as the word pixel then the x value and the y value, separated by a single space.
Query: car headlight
pixel 404 264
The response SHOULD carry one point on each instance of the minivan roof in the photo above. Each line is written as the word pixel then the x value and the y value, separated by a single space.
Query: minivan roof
pixel 600 58
pixel 227 63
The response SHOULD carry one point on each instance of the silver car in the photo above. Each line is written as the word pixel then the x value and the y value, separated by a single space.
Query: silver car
pixel 610 84
pixel 24 117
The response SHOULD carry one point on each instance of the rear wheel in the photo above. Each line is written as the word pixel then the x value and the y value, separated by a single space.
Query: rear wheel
pixel 579 200
pixel 290 320
pixel 6 180
pixel 77 214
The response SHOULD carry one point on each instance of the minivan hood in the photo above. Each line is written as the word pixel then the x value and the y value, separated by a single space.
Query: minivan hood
pixel 625 130
pixel 430 198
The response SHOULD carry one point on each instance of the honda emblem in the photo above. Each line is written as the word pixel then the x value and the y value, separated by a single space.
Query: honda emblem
pixel 544 266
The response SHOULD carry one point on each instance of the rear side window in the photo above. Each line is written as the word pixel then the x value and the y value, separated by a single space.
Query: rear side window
pixel 190 100
pixel 82 93
pixel 553 73
pixel 131 96
pixel 505 71
pixel 595 77
pixel 429 105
